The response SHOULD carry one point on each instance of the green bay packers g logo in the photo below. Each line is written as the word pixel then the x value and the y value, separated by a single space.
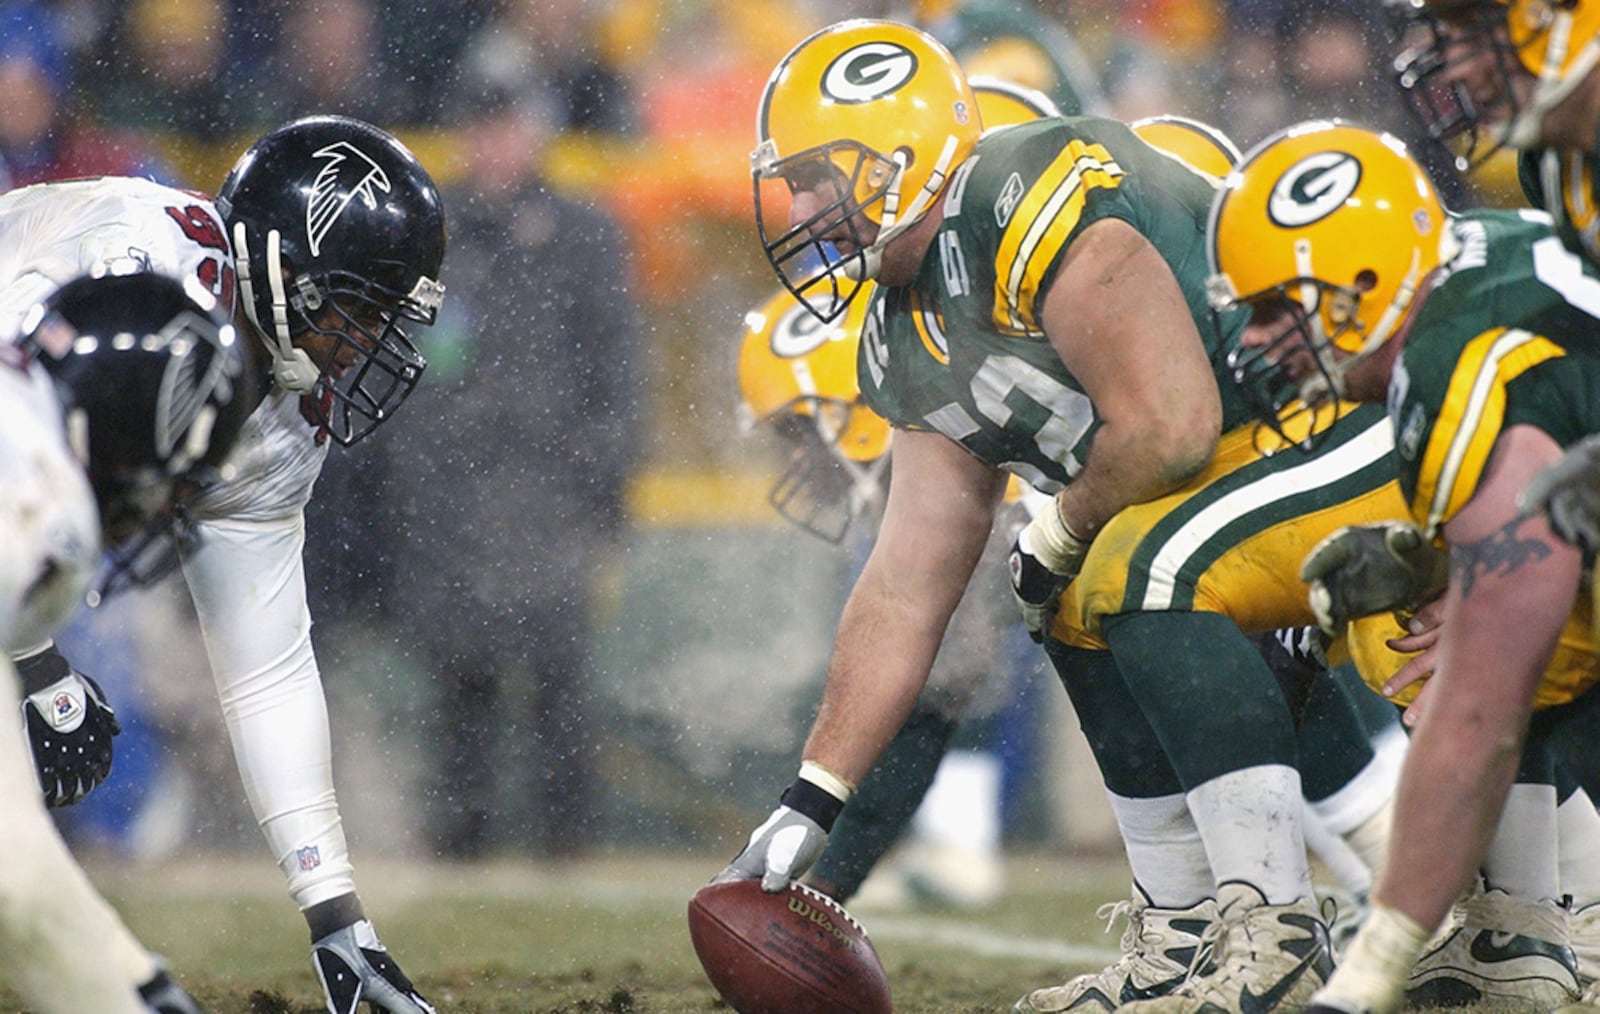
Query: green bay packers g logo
pixel 868 71
pixel 1313 188
pixel 798 333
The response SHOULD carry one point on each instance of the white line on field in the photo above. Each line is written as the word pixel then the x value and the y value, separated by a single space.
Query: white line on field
pixel 989 944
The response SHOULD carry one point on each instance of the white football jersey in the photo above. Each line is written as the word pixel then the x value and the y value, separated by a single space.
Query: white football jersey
pixel 51 541
pixel 51 233
pixel 245 575
pixel 272 468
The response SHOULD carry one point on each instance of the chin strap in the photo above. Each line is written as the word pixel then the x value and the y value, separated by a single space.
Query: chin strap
pixel 894 223
pixel 292 368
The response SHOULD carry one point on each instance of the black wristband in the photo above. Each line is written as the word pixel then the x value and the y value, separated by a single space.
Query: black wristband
pixel 813 801
pixel 42 669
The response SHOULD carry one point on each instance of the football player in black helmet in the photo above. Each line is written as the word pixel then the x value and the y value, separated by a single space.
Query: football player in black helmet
pixel 332 236
pixel 338 234
pixel 145 374
pixel 151 377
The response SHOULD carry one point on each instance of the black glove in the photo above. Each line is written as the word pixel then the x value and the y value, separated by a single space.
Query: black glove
pixel 161 995
pixel 69 726
pixel 1044 560
pixel 1362 570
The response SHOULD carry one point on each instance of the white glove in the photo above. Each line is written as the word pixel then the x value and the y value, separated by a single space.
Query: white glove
pixel 1044 560
pixel 1568 492
pixel 1361 570
pixel 785 846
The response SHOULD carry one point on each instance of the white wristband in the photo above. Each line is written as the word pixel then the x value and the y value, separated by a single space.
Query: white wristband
pixel 826 780
pixel 1054 543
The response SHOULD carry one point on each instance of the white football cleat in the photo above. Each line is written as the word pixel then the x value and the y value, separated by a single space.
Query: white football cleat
pixel 1159 947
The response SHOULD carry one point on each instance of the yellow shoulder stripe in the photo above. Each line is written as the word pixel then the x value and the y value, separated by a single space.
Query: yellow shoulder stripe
pixel 1471 418
pixel 1033 236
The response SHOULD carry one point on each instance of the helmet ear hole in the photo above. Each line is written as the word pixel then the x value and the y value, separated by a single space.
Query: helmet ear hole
pixel 905 156
pixel 1366 280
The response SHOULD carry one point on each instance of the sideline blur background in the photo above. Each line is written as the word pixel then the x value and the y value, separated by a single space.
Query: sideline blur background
pixel 627 651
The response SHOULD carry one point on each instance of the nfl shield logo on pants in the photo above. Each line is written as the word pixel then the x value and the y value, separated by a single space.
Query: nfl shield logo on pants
pixel 309 858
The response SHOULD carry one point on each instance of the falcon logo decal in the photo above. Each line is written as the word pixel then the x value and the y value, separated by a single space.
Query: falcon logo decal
pixel 1313 188
pixel 868 71
pixel 346 175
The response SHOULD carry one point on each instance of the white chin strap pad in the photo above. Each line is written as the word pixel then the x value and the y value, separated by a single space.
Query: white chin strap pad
pixel 292 368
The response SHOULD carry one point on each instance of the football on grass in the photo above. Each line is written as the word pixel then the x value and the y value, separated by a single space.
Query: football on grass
pixel 793 952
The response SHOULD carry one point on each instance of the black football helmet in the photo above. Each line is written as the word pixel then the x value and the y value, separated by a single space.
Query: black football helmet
pixel 154 387
pixel 337 231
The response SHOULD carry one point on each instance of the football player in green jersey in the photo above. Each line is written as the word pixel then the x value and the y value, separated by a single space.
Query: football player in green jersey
pixel 1486 73
pixel 1040 310
pixel 1362 289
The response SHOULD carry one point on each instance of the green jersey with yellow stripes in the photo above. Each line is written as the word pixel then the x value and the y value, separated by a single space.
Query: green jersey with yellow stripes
pixel 1567 185
pixel 961 350
pixel 1489 350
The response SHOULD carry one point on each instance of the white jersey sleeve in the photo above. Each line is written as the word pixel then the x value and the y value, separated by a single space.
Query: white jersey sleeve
pixel 247 578
pixel 52 530
pixel 51 233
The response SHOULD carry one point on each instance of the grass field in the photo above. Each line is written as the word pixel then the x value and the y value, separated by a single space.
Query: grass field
pixel 600 936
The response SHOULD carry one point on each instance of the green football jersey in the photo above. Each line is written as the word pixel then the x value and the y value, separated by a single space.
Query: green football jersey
pixel 1489 350
pixel 1567 185
pixel 961 352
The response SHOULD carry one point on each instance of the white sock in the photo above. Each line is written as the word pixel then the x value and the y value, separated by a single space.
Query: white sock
pixel 1523 858
pixel 1578 828
pixel 1165 852
pixel 1342 861
pixel 1250 823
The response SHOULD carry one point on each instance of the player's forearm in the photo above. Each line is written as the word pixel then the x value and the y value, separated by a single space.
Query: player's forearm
pixel 880 664
pixel 1130 465
pixel 1458 770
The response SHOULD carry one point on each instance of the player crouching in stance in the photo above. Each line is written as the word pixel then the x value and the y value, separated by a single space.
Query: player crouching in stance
pixel 1361 288
pixel 148 380
pixel 327 238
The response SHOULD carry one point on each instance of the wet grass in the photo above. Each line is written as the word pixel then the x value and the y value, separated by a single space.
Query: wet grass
pixel 599 936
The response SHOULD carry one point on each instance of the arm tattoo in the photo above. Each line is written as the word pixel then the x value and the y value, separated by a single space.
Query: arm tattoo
pixel 1500 551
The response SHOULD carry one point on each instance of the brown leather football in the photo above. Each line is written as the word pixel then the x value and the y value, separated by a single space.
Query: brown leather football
pixel 793 952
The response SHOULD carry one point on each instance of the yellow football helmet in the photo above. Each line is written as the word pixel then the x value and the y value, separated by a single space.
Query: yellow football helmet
pixel 1555 42
pixel 1331 227
pixel 863 122
pixel 1002 103
pixel 797 375
pixel 1195 144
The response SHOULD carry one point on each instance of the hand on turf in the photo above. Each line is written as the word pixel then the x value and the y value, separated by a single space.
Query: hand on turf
pixel 1361 570
pixel 69 726
pixel 355 968
pixel 161 995
pixel 1568 493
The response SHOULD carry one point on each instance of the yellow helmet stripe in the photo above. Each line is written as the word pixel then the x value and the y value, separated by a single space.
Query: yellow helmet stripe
pixel 1035 233
pixel 1471 417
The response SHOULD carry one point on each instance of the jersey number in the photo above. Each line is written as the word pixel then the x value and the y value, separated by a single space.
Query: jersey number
pixel 215 273
pixel 1070 414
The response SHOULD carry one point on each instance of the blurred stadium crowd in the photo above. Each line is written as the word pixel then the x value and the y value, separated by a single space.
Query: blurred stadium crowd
pixel 593 155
